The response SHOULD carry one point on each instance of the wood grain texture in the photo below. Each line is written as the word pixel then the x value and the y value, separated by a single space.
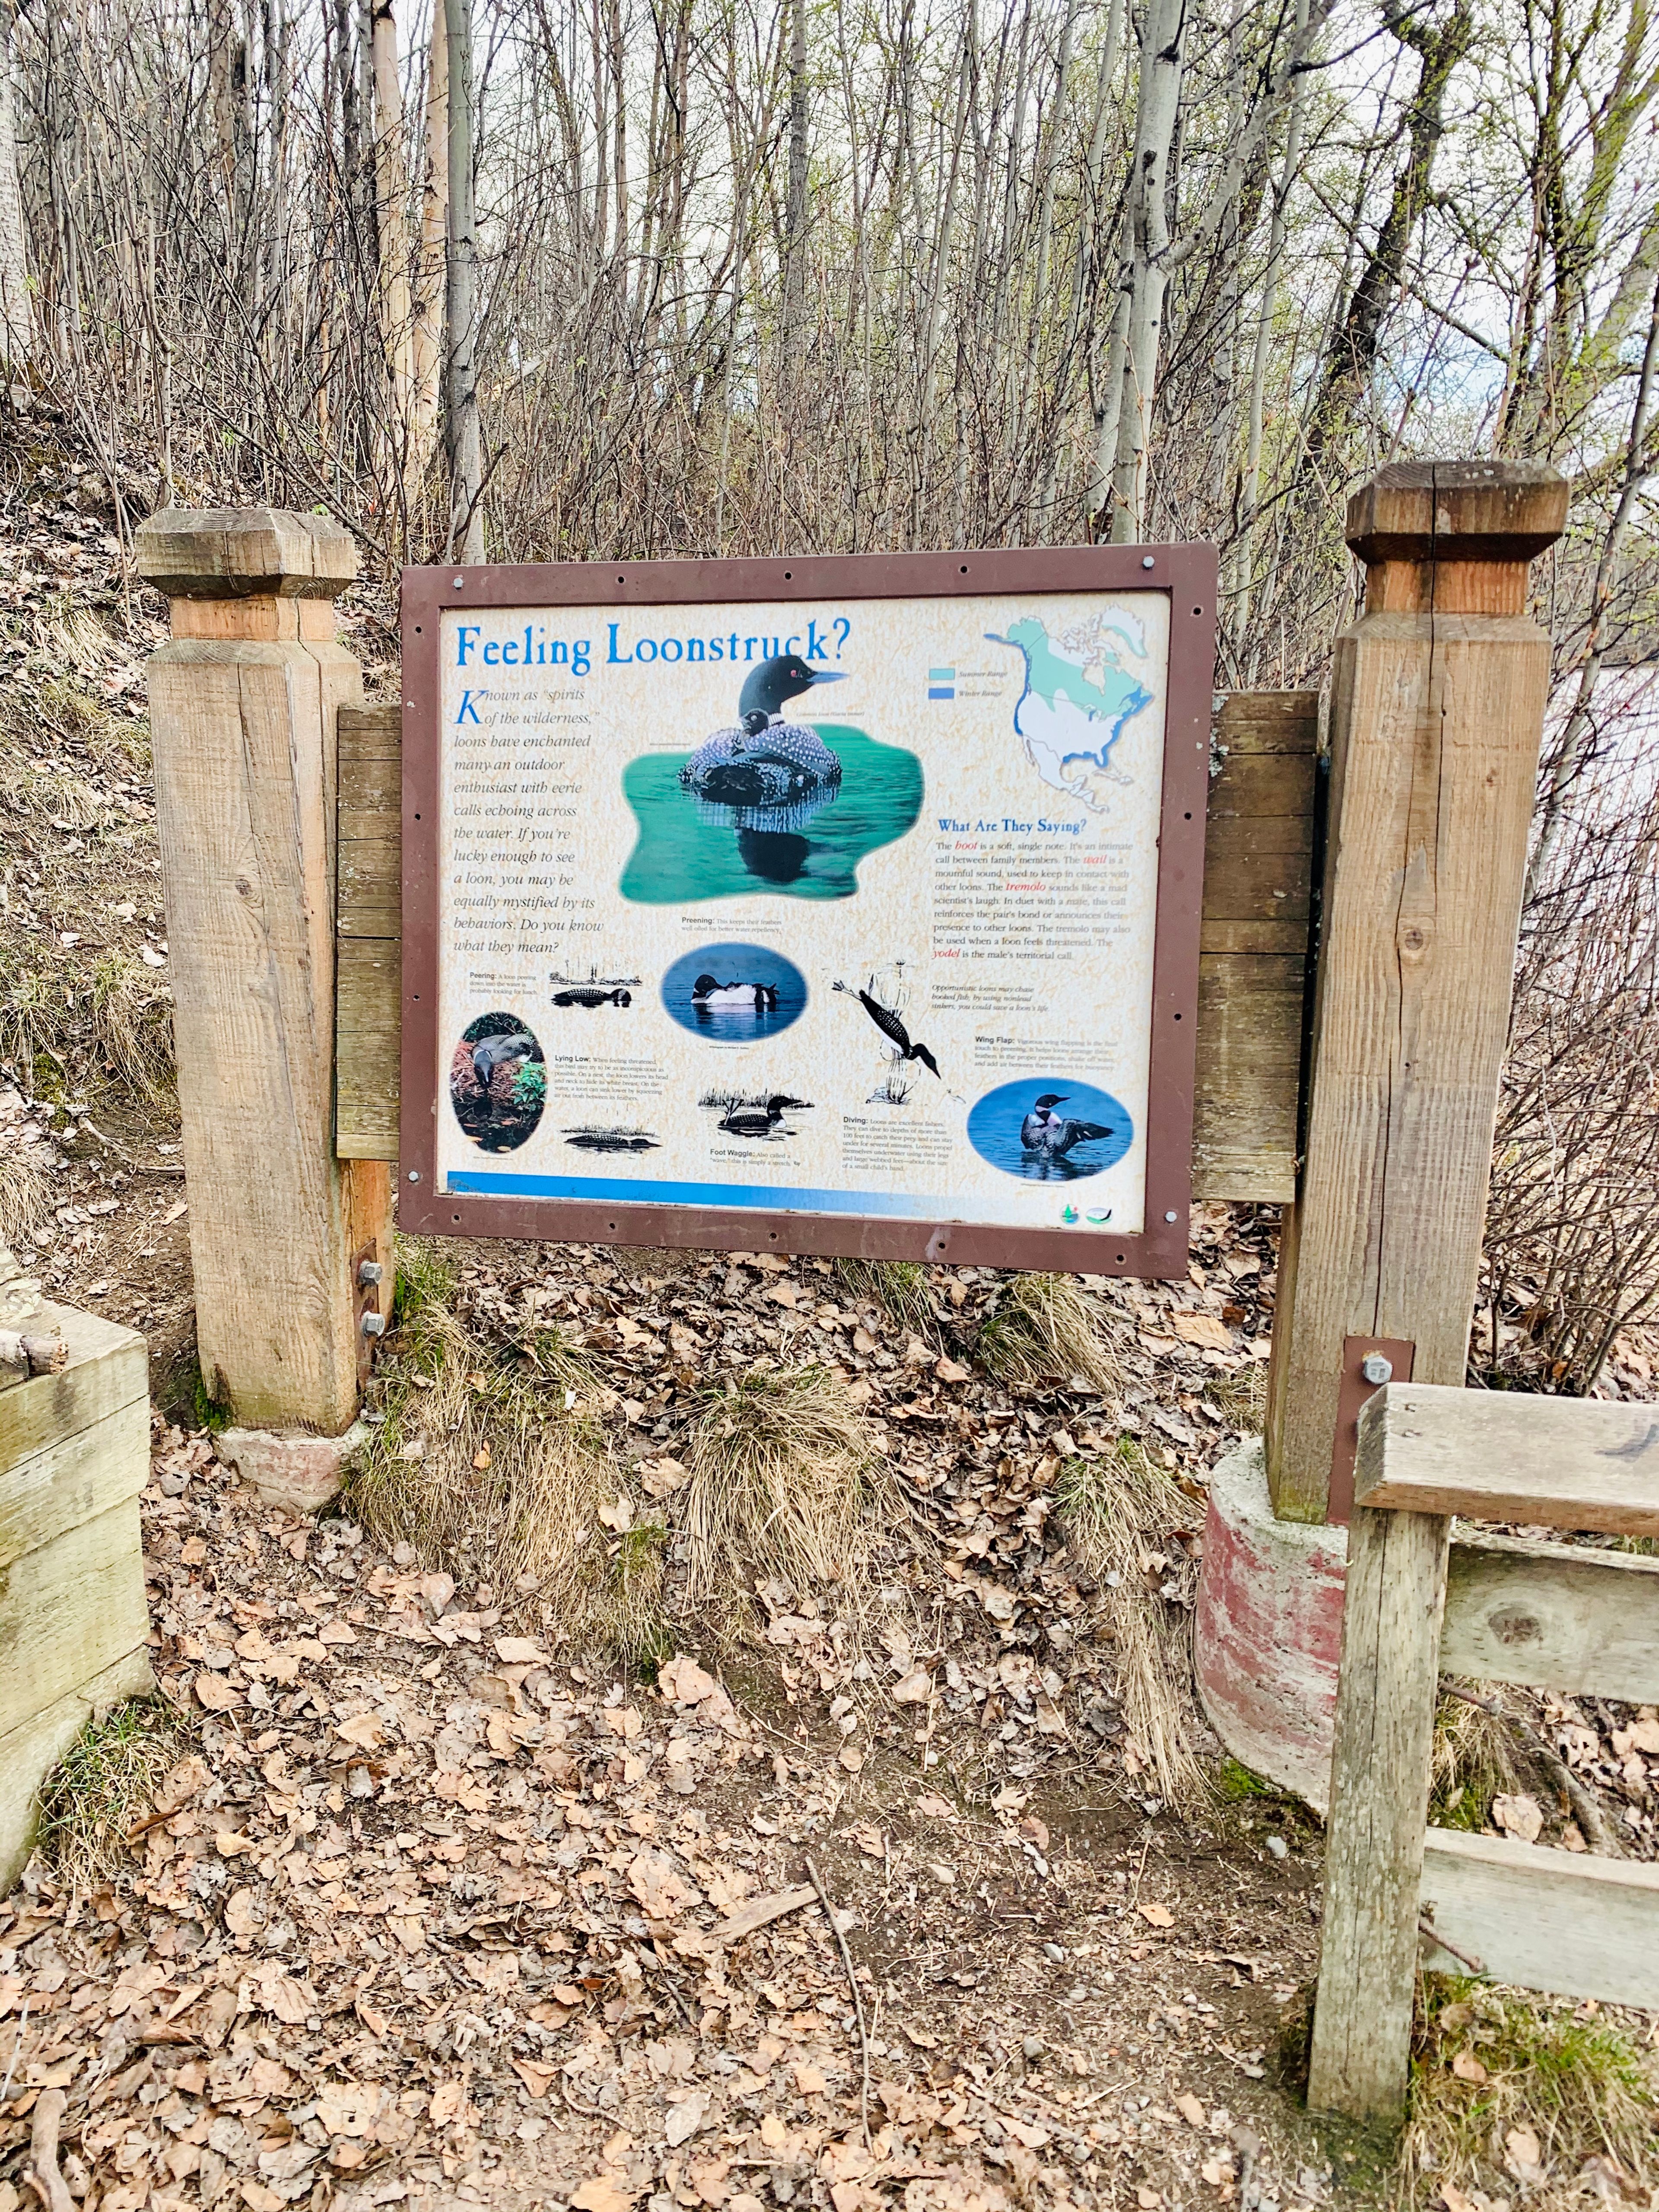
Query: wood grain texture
pixel 1257 874
pixel 72 1479
pixel 107 1367
pixel 369 1005
pixel 1498 1455
pixel 1385 1706
pixel 1545 1919
pixel 30 1751
pixel 1436 719
pixel 70 1608
pixel 1552 1617
pixel 244 745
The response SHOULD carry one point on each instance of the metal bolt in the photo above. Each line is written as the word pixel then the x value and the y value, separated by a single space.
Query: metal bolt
pixel 369 1271
pixel 460 580
pixel 1376 1369
pixel 1147 562
pixel 373 1324
pixel 1172 1215
pixel 414 1174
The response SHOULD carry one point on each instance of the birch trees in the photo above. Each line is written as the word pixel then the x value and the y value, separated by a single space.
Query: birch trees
pixel 746 275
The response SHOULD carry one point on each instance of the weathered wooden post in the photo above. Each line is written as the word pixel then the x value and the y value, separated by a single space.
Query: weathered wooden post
pixel 1437 710
pixel 243 705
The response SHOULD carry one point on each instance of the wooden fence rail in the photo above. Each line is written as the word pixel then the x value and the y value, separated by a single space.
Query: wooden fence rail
pixel 1253 967
pixel 1551 1615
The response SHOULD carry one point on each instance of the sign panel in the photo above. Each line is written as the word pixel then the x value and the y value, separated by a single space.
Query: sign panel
pixel 845 905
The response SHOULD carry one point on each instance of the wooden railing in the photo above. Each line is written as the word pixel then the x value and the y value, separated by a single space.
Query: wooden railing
pixel 1544 1615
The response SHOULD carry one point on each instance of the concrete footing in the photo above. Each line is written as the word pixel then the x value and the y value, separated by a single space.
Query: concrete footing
pixel 302 1473
pixel 1267 1631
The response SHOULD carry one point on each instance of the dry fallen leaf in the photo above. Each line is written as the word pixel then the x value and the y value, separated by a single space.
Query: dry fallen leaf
pixel 1520 1816
pixel 1467 2067
pixel 362 1729
pixel 1523 2156
pixel 596 2196
pixel 1157 1916
pixel 1189 2109
pixel 214 1693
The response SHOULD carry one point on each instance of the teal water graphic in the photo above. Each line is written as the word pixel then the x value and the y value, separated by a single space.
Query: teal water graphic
pixel 688 850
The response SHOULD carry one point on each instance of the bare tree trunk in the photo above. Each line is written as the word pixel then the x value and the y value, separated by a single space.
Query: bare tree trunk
pixel 1251 488
pixel 392 187
pixel 428 302
pixel 465 440
pixel 1569 751
pixel 17 313
pixel 1162 51
pixel 795 269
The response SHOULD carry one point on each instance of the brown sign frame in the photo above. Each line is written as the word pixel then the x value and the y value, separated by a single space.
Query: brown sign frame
pixel 1186 573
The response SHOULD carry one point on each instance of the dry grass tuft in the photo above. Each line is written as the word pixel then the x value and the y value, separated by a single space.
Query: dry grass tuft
pixel 102 1787
pixel 1047 1329
pixel 26 1191
pixel 1117 1513
pixel 1474 1761
pixel 782 1468
pixel 492 1460
pixel 1559 2092
pixel 1242 1397
pixel 900 1286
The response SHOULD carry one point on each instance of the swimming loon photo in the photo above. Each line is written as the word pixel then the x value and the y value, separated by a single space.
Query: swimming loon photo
pixel 761 997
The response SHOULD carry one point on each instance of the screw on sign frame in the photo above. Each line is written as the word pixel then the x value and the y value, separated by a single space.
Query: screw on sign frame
pixel 1186 574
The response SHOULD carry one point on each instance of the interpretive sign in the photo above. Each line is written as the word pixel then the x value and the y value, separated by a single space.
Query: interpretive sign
pixel 832 905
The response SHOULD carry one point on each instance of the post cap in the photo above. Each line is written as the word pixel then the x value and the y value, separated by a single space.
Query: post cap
pixel 236 553
pixel 1458 511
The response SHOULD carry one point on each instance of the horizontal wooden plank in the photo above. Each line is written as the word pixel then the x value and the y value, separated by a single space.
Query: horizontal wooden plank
pixel 371 733
pixel 369 1024
pixel 369 901
pixel 1543 1919
pixel 1257 785
pixel 1258 866
pixel 1267 721
pixel 1553 1617
pixel 1500 1456
pixel 74 1479
pixel 1250 1051
pixel 108 1367
pixel 69 1610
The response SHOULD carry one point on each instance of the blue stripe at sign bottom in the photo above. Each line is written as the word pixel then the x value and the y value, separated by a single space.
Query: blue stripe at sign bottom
pixel 624 1190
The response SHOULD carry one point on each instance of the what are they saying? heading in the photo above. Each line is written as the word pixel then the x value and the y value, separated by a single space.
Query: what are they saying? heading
pixel 821 638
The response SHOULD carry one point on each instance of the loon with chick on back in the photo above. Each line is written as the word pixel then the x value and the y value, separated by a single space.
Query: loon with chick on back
pixel 1052 1137
pixel 766 762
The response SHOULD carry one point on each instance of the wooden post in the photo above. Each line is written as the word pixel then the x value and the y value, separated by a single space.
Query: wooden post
pixel 243 704
pixel 1396 1590
pixel 1437 703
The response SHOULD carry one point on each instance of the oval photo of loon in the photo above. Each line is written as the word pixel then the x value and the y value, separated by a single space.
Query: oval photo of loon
pixel 734 994
pixel 1049 1129
pixel 498 1082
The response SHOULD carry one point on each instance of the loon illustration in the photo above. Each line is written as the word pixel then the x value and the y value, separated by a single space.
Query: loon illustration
pixel 766 764
pixel 588 994
pixel 761 997
pixel 761 1119
pixel 891 1028
pixel 493 1052
pixel 1045 1133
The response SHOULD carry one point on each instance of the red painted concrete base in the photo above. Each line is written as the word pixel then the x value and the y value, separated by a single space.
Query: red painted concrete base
pixel 1267 1631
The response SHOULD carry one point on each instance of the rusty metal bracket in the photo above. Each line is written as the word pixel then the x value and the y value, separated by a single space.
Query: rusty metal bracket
pixel 1367 1362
